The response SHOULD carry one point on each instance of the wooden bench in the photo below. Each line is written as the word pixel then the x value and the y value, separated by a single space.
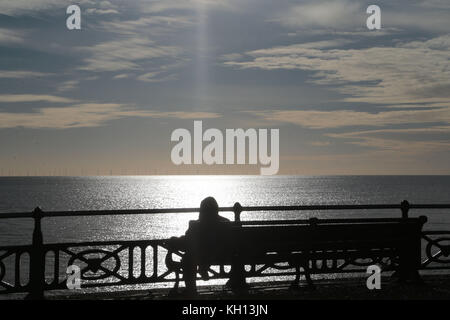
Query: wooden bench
pixel 301 244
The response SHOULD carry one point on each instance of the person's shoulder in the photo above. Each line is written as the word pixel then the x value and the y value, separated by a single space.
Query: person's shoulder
pixel 223 219
pixel 193 225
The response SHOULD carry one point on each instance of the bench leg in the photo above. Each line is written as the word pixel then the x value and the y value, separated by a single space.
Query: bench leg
pixel 189 275
pixel 296 283
pixel 309 281
pixel 237 281
pixel 174 291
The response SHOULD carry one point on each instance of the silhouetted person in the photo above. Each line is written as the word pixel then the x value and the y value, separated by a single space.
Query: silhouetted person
pixel 199 243
pixel 208 223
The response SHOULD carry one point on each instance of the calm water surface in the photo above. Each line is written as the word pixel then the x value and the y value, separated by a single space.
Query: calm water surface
pixel 137 192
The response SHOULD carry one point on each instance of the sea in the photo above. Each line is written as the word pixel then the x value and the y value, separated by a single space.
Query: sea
pixel 23 194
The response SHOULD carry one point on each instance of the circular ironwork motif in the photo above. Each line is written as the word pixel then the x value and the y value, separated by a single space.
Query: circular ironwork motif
pixel 95 261
pixel 443 250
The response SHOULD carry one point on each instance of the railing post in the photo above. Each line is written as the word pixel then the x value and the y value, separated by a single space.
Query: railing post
pixel 237 209
pixel 405 209
pixel 37 259
pixel 237 272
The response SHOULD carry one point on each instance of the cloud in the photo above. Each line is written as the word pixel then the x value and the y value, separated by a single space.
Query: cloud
pixel 12 98
pixel 345 118
pixel 411 72
pixel 339 14
pixel 125 54
pixel 150 6
pixel 102 8
pixel 151 24
pixel 101 11
pixel 22 6
pixel 391 142
pixel 404 145
pixel 19 7
pixel 10 36
pixel 427 130
pixel 320 143
pixel 156 77
pixel 348 15
pixel 138 45
pixel 8 74
pixel 149 77
pixel 121 76
pixel 68 85
pixel 184 115
pixel 87 115
pixel 360 32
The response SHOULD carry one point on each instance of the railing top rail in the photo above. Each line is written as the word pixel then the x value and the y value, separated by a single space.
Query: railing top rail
pixel 344 207
pixel 325 221
pixel 15 215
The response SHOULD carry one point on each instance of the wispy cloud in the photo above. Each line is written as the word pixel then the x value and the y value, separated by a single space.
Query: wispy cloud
pixel 121 76
pixel 19 7
pixel 346 118
pixel 320 143
pixel 103 7
pixel 337 14
pixel 412 72
pixel 403 145
pixel 125 54
pixel 345 15
pixel 19 74
pixel 427 130
pixel 155 77
pixel 68 85
pixel 150 6
pixel 387 141
pixel 151 24
pixel 11 98
pixel 87 115
pixel 10 36
pixel 101 11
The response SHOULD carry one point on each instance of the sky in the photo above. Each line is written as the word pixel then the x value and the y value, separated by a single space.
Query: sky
pixel 105 99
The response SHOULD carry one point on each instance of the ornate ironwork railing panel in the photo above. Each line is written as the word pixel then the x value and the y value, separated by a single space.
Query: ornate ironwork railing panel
pixel 116 263
pixel 14 268
pixel 108 263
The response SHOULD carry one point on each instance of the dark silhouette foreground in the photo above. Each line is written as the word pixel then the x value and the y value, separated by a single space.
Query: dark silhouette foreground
pixel 199 242
pixel 313 245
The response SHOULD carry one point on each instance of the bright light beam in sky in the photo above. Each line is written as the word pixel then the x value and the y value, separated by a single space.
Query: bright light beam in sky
pixel 201 53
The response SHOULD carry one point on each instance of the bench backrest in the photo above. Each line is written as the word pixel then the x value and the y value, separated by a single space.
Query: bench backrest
pixel 224 239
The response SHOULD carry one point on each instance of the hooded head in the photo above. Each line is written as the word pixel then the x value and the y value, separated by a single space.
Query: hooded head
pixel 209 209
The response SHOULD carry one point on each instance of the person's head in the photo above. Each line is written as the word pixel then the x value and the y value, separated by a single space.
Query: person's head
pixel 209 209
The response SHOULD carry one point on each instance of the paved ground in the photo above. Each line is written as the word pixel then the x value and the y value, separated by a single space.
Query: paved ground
pixel 435 287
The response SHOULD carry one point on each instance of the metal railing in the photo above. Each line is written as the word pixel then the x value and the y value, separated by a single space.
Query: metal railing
pixel 40 266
